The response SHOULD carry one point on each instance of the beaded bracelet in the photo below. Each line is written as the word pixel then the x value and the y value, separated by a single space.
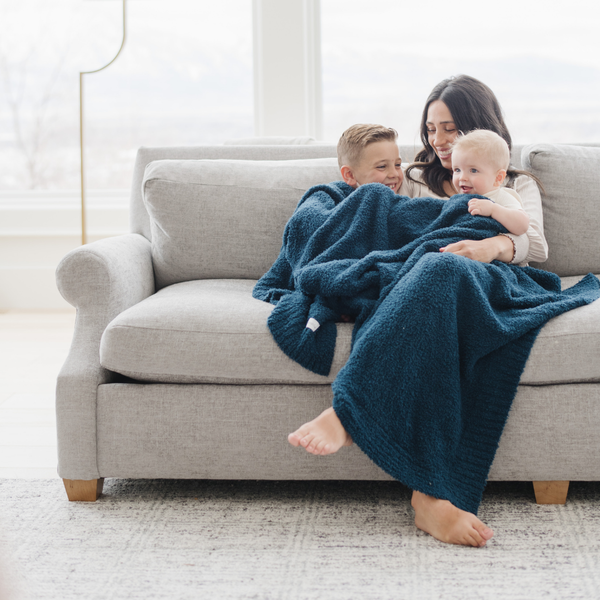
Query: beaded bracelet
pixel 514 248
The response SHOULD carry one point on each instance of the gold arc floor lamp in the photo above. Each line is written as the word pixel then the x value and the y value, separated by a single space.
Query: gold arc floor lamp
pixel 81 74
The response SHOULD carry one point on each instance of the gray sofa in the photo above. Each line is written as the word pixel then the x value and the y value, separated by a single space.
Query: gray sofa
pixel 173 373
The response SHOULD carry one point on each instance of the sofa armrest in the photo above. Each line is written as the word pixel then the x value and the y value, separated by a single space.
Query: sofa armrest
pixel 101 280
pixel 107 276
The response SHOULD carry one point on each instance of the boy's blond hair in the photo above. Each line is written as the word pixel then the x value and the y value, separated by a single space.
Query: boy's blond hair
pixel 357 137
pixel 486 143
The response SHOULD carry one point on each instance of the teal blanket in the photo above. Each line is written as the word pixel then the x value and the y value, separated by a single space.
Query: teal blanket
pixel 439 342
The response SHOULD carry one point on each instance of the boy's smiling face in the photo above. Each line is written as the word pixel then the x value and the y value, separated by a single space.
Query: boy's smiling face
pixel 472 174
pixel 379 162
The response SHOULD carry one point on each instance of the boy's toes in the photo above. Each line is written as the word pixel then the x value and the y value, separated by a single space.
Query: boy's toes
pixel 325 449
pixel 311 445
pixel 305 441
pixel 321 448
pixel 294 439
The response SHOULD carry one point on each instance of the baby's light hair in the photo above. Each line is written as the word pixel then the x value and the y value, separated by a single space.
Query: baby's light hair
pixel 357 137
pixel 487 144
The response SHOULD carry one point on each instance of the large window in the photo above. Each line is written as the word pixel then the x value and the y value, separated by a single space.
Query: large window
pixel 542 59
pixel 184 77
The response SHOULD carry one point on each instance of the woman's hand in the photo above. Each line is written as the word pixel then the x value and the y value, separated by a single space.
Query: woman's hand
pixel 497 248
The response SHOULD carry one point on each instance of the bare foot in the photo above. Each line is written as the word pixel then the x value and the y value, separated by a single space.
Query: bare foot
pixel 447 523
pixel 323 435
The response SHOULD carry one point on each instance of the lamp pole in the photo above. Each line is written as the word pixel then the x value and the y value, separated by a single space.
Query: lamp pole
pixel 81 136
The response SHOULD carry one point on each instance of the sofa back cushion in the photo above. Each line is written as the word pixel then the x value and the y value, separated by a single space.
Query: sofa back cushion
pixel 223 219
pixel 571 178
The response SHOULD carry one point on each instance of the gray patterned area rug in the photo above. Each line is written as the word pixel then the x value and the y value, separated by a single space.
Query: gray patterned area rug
pixel 289 540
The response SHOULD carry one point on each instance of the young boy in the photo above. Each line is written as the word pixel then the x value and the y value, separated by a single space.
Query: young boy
pixel 369 154
pixel 480 160
pixel 366 154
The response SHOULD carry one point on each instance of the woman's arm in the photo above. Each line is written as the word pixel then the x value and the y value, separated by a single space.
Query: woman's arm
pixel 509 248
pixel 501 247
pixel 537 250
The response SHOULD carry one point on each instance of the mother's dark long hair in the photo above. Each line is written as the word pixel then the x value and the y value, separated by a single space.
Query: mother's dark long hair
pixel 473 106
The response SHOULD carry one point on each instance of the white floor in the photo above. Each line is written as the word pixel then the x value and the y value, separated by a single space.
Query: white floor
pixel 33 347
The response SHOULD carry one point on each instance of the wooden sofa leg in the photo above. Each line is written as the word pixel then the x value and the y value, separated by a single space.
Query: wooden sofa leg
pixel 551 492
pixel 80 490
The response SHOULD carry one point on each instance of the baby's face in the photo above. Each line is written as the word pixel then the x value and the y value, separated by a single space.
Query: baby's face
pixel 380 162
pixel 472 174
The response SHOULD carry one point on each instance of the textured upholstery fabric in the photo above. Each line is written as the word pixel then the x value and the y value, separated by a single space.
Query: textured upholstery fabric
pixel 101 280
pixel 571 178
pixel 240 432
pixel 216 432
pixel 551 435
pixel 215 332
pixel 567 348
pixel 213 219
pixel 205 332
pixel 138 215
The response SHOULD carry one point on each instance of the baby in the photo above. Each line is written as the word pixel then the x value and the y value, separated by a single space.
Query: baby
pixel 480 160
pixel 369 154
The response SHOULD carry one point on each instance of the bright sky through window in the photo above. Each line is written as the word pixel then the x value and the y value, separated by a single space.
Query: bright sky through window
pixel 541 58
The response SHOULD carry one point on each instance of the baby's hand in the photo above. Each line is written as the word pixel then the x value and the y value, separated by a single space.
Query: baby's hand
pixel 481 206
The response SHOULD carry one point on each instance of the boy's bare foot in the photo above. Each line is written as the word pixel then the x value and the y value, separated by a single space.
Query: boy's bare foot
pixel 447 523
pixel 323 435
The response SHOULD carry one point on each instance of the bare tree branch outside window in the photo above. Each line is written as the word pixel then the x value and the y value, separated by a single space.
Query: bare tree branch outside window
pixel 29 105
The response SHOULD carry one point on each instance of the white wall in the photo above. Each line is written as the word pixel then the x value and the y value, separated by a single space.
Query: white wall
pixel 37 229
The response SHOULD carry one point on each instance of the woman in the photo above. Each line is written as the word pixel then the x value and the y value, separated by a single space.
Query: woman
pixel 458 104
pixel 462 104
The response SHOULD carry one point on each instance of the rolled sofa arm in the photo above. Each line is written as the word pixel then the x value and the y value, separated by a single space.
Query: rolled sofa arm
pixel 101 280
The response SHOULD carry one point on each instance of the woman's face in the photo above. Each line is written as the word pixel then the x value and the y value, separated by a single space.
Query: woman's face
pixel 441 131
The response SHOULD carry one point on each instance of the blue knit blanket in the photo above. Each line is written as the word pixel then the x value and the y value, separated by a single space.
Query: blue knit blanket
pixel 439 342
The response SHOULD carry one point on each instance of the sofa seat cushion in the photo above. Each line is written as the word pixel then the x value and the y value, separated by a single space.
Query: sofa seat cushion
pixel 567 349
pixel 213 331
pixel 207 331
